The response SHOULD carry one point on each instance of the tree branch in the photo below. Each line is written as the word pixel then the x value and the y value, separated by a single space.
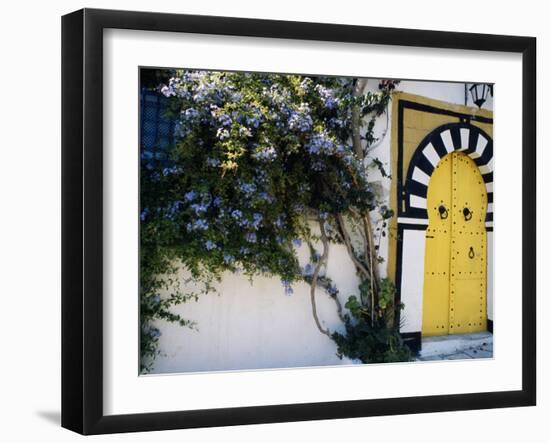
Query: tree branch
pixel 358 90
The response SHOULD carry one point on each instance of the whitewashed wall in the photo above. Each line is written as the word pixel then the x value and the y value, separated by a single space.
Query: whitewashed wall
pixel 253 326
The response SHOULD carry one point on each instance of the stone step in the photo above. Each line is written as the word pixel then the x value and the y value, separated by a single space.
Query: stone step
pixel 452 344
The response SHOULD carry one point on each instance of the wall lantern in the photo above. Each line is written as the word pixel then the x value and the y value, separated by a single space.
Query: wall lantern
pixel 479 92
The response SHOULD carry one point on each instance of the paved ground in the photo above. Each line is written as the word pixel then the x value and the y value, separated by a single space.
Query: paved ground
pixel 469 347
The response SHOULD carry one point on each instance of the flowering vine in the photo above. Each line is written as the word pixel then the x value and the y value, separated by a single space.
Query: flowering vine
pixel 262 164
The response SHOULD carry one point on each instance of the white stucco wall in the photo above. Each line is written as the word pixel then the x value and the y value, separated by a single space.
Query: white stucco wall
pixel 253 326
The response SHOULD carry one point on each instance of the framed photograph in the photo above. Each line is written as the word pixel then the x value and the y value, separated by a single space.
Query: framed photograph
pixel 269 221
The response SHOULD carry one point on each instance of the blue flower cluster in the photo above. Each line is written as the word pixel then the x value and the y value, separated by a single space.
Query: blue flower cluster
pixel 225 120
pixel 279 221
pixel 199 208
pixel 247 188
pixel 190 114
pixel 210 245
pixel 287 286
pixel 199 224
pixel 300 120
pixel 222 133
pixel 265 154
pixel 170 171
pixel 236 214
pixel 320 143
pixel 155 298
pixel 327 96
pixel 154 333
pixel 190 196
pixel 229 259
pixel 173 209
pixel 257 220
pixel 144 213
pixel 266 197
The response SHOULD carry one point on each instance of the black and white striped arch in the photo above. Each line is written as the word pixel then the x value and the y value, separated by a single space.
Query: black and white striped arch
pixel 463 137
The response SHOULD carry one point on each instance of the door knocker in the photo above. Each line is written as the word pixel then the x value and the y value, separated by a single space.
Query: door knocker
pixel 467 213
pixel 443 213
pixel 471 254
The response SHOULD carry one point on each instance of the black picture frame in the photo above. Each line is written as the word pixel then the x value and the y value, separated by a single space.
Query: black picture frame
pixel 82 218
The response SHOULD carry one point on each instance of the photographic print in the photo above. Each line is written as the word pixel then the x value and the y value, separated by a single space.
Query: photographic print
pixel 295 221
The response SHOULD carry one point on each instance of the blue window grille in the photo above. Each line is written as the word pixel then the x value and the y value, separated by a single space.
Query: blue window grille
pixel 156 129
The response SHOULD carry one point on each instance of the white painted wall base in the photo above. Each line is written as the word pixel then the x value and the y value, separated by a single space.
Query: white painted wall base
pixel 255 325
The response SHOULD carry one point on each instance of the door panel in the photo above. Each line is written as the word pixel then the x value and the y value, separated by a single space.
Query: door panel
pixel 468 246
pixel 435 315
pixel 456 249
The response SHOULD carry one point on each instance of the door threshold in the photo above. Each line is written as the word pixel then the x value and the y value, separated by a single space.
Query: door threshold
pixel 457 346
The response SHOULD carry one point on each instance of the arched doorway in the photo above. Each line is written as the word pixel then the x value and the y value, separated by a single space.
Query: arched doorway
pixel 455 269
pixel 415 161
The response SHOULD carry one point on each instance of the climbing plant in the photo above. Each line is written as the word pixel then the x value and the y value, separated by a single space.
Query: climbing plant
pixel 262 164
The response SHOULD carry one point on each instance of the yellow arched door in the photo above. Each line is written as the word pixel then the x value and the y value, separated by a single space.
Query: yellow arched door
pixel 455 268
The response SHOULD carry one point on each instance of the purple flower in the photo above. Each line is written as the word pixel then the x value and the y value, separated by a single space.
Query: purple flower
pixel 144 214
pixel 297 242
pixel 308 269
pixel 190 196
pixel 248 188
pixel 266 197
pixel 300 120
pixel 288 288
pixel 265 154
pixel 257 220
pixel 210 245
pixel 279 222
pixel 236 214
pixel 199 208
pixel 225 120
pixel 320 143
pixel 154 333
pixel 169 171
pixel 251 237
pixel 222 133
pixel 227 258
pixel 190 113
pixel 326 96
pixel 199 224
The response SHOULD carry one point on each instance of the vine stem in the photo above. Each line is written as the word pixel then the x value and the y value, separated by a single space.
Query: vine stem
pixel 325 242
pixel 360 267
pixel 315 277
pixel 370 251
